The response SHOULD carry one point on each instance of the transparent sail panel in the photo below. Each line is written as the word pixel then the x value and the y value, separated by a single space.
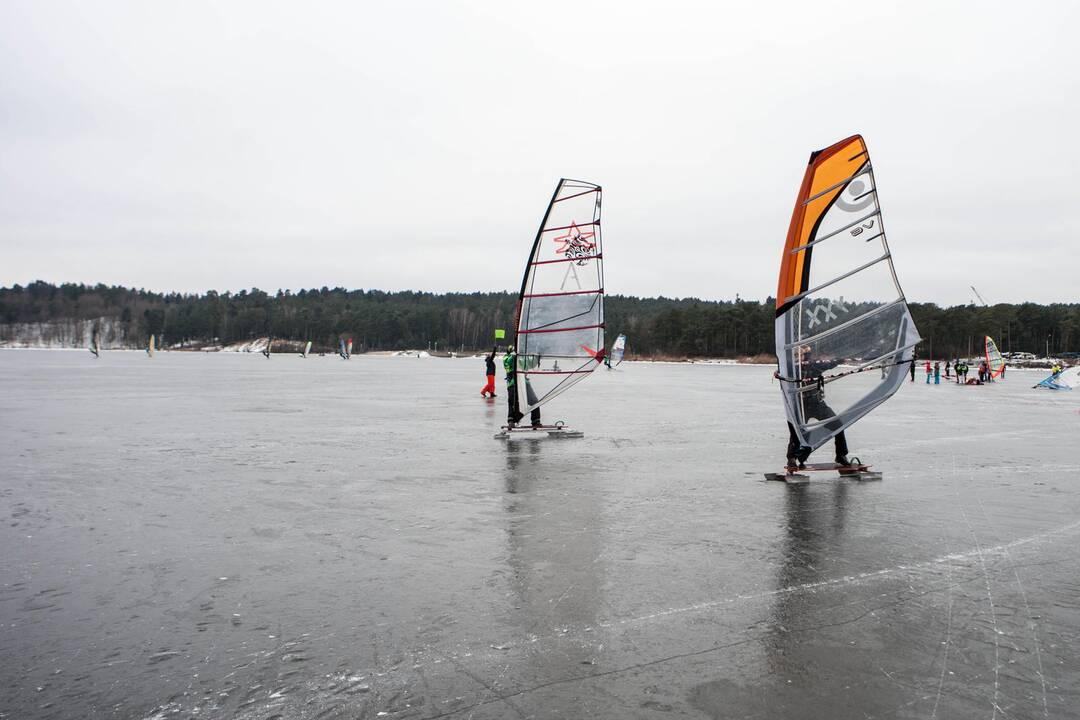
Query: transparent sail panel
pixel 849 236
pixel 844 301
pixel 834 379
pixel 560 336
pixel 862 340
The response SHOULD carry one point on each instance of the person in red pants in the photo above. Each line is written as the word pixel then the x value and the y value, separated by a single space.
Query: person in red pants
pixel 490 370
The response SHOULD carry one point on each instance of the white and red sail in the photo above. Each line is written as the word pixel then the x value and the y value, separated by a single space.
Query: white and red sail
pixel 560 328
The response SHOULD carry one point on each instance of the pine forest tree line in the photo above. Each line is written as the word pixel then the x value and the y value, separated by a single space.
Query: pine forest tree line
pixel 378 320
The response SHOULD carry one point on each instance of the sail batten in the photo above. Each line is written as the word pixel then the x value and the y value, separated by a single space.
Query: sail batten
pixel 561 260
pixel 598 291
pixel 849 323
pixel 834 233
pixel 843 182
pixel 845 276
pixel 840 309
pixel 567 227
pixel 560 317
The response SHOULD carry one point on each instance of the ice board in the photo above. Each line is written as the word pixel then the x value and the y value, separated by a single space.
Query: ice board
pixel 796 476
pixel 538 432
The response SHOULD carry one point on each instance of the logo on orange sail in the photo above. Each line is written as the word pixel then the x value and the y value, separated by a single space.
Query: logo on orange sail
pixel 827 307
pixel 856 232
pixel 576 245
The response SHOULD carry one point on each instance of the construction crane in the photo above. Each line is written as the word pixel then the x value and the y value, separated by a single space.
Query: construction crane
pixel 979 296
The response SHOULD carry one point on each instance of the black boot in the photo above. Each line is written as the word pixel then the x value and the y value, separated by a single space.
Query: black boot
pixel 804 455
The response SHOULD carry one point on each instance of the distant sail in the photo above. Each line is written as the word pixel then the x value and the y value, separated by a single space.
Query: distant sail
pixel 994 361
pixel 560 327
pixel 348 348
pixel 1067 379
pixel 617 350
pixel 307 349
pixel 839 306
pixel 341 349
pixel 94 344
pixel 269 342
pixel 150 347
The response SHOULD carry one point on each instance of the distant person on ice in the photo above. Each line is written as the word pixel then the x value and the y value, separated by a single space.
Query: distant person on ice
pixel 814 407
pixel 937 373
pixel 514 414
pixel 489 370
pixel 947 366
pixel 912 367
pixel 929 372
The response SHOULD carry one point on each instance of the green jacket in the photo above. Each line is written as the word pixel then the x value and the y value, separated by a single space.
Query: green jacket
pixel 508 365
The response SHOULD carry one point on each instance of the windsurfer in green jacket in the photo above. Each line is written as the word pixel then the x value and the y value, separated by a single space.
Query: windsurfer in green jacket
pixel 514 414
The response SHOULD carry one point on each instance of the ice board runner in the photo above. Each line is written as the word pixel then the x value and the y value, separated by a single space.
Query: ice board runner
pixel 559 334
pixel 840 311
pixel 797 475
pixel 558 430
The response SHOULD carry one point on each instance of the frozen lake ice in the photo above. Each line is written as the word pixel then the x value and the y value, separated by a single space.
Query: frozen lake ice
pixel 221 535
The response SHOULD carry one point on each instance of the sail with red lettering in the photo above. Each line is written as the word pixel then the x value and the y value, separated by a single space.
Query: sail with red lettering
pixel 560 328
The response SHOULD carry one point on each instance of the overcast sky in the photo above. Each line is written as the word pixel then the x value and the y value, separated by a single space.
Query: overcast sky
pixel 399 145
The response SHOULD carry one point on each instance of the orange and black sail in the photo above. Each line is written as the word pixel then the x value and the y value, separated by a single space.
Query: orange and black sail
pixel 839 308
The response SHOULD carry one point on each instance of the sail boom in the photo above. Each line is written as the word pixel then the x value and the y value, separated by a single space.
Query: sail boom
pixel 869 363
pixel 556 372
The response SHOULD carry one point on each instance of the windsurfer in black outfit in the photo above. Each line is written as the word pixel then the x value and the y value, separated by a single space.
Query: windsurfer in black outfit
pixel 814 407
